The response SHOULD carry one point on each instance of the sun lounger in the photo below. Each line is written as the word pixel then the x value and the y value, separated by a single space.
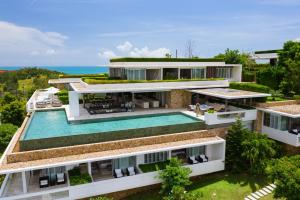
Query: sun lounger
pixel 118 173
pixel 141 103
pixel 131 171
pixel 202 158
pixel 192 160
pixel 60 178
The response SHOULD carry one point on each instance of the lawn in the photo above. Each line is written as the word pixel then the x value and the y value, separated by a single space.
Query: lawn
pixel 221 185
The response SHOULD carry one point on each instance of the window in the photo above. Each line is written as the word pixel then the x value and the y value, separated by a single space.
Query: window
pixel 276 121
pixel 156 157
pixel 223 72
pixel 195 151
pixel 198 73
pixel 123 163
pixel 135 74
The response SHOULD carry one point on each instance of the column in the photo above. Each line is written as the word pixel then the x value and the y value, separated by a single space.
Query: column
pixel 89 165
pixel 74 103
pixel 24 183
pixel 161 73
pixel 178 73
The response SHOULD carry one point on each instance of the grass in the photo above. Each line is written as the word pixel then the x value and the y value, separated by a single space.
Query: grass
pixel 153 166
pixel 131 59
pixel 224 185
pixel 270 99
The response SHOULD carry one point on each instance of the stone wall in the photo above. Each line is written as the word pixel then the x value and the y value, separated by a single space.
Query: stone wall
pixel 112 145
pixel 179 98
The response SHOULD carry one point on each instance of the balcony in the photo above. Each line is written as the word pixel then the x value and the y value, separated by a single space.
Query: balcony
pixel 282 136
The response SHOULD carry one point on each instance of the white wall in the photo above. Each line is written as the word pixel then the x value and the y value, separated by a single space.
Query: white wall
pixel 282 136
pixel 74 103
pixel 236 74
pixel 214 118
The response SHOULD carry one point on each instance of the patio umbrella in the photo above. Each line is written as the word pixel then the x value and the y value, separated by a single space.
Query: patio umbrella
pixel 52 90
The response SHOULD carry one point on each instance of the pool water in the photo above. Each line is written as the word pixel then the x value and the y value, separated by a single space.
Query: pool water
pixel 49 124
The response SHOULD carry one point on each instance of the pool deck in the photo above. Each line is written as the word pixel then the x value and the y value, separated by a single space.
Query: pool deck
pixel 84 115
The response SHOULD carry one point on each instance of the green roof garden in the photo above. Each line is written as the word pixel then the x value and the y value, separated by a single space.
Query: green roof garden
pixel 131 59
pixel 268 51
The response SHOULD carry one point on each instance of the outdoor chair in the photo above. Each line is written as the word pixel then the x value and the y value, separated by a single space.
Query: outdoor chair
pixel 118 173
pixel 202 158
pixel 44 181
pixel 60 178
pixel 192 160
pixel 130 171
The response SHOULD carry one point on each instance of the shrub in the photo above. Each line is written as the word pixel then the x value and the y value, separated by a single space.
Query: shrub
pixel 77 178
pixel 248 76
pixel 250 87
pixel 83 75
pixel 153 166
pixel 13 113
pixel 271 77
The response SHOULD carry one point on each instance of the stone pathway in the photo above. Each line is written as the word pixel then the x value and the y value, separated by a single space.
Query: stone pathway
pixel 262 192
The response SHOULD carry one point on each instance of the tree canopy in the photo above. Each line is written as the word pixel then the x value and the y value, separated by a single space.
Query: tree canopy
pixel 285 172
pixel 174 175
pixel 13 113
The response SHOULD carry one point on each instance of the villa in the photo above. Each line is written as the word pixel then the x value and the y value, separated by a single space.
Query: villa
pixel 112 134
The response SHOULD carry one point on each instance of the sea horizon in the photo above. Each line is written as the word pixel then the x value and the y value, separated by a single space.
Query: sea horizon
pixel 73 70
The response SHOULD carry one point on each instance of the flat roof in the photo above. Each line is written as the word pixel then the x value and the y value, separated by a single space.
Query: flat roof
pixel 64 80
pixel 105 155
pixel 292 110
pixel 164 59
pixel 158 65
pixel 82 87
pixel 227 93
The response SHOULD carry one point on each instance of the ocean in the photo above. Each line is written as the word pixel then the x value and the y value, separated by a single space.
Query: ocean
pixel 68 69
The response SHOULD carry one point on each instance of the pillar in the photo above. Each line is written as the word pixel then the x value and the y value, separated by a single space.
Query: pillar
pixel 89 168
pixel 24 182
pixel 178 73
pixel 74 103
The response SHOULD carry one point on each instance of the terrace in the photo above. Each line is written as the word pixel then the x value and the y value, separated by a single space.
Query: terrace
pixel 223 105
pixel 281 121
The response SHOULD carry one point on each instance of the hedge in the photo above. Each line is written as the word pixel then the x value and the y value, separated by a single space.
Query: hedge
pixel 78 178
pixel 83 75
pixel 248 76
pixel 254 87
pixel 130 59
pixel 268 51
pixel 95 81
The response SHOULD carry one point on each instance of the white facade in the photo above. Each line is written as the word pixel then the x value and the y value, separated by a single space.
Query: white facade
pixel 282 136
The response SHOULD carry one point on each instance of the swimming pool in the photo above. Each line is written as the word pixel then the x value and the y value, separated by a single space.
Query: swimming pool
pixel 48 124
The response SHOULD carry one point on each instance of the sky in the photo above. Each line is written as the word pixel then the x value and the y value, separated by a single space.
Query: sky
pixel 89 32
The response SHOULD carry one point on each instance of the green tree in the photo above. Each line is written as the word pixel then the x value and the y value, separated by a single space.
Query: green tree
pixel 285 172
pixel 6 133
pixel 289 59
pixel 13 113
pixel 101 198
pixel 258 148
pixel 174 175
pixel 8 98
pixel 234 149
pixel 236 57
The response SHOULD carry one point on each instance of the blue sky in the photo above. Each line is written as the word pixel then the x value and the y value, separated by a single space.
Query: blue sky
pixel 89 32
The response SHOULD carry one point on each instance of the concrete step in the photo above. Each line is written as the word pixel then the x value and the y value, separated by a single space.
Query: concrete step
pixel 246 198
pixel 267 190
pixel 255 196
pixel 251 197
pixel 273 185
pixel 270 188
pixel 263 192
pixel 258 193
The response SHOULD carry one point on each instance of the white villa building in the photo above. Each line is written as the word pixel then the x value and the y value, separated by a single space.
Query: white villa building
pixel 111 135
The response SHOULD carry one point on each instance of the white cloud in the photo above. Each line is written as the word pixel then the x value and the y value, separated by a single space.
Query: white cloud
pixel 297 39
pixel 146 52
pixel 50 52
pixel 106 54
pixel 125 47
pixel 34 53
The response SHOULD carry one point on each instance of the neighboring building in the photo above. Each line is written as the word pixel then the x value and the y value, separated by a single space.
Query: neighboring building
pixel 270 55
pixel 121 130
pixel 173 68
pixel 281 121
